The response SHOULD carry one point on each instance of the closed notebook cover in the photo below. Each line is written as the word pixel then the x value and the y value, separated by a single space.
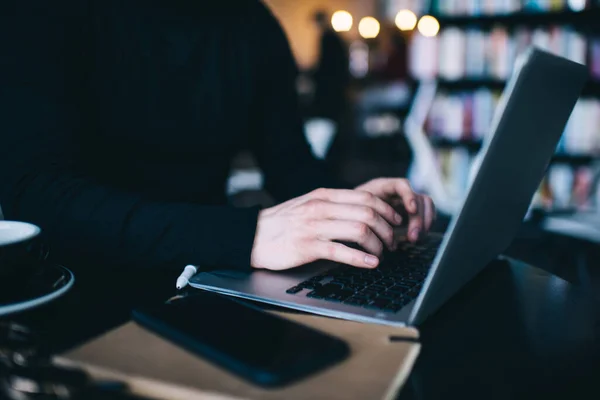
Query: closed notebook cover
pixel 381 359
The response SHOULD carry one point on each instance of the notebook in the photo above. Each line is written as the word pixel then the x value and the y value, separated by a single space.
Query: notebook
pixel 380 362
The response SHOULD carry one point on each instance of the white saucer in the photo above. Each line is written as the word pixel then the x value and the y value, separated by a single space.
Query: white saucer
pixel 52 294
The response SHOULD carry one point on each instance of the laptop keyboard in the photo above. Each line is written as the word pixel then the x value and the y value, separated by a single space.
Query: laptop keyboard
pixel 389 287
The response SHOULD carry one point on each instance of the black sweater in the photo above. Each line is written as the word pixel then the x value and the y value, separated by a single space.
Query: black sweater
pixel 119 119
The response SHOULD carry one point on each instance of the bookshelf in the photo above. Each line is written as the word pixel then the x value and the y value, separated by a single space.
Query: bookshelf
pixel 574 159
pixel 469 84
pixel 582 20
pixel 472 146
pixel 592 89
pixel 471 60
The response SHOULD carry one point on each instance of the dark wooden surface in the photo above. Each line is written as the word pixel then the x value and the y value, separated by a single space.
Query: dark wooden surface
pixel 514 332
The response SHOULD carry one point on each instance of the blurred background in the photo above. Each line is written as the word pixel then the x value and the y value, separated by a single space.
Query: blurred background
pixel 409 88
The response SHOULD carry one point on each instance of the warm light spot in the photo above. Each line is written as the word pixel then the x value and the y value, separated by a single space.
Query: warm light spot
pixel 341 21
pixel 406 20
pixel 428 26
pixel 577 5
pixel 368 27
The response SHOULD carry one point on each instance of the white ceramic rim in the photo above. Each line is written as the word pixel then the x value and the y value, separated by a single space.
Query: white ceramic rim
pixel 23 231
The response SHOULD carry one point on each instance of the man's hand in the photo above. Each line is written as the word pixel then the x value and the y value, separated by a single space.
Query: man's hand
pixel 311 227
pixel 397 192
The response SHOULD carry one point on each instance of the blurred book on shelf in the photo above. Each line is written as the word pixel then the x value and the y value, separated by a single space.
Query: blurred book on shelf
pixel 465 117
pixel 490 54
pixel 499 7
pixel 582 134
pixel 594 61
pixel 458 123
pixel 472 58
pixel 462 115
pixel 566 188
pixel 454 165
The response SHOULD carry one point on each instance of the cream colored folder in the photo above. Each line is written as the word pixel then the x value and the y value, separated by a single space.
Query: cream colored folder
pixel 381 359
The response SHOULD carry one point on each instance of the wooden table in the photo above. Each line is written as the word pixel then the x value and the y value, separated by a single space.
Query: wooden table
pixel 513 332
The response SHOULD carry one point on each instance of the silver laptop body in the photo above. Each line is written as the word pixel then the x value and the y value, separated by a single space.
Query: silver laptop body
pixel 529 121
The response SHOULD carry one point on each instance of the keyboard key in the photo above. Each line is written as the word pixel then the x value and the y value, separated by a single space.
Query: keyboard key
pixel 396 295
pixel 387 282
pixel 294 290
pixel 342 280
pixel 370 276
pixel 415 291
pixel 315 295
pixel 367 279
pixel 331 292
pixel 334 297
pixel 370 292
pixel 310 285
pixel 344 293
pixel 378 287
pixel 400 287
pixel 354 272
pixel 330 287
pixel 354 287
pixel 387 296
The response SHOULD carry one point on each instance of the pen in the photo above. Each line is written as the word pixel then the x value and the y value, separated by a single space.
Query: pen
pixel 185 276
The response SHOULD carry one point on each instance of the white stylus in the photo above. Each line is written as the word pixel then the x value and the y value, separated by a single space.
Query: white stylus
pixel 185 276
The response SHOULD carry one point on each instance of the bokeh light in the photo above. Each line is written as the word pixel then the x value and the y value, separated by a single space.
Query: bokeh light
pixel 406 20
pixel 341 21
pixel 577 5
pixel 368 27
pixel 428 26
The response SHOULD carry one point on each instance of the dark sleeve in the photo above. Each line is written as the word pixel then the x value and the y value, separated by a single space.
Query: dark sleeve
pixel 278 141
pixel 42 180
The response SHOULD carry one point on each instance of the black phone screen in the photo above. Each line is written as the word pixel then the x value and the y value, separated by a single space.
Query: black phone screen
pixel 259 346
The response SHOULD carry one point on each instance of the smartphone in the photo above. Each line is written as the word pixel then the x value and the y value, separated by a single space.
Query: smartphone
pixel 262 348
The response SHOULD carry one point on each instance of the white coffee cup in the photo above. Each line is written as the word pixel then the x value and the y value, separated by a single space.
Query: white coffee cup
pixel 18 241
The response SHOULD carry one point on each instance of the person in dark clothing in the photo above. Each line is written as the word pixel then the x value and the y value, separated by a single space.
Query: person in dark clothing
pixel 118 123
pixel 332 74
pixel 396 66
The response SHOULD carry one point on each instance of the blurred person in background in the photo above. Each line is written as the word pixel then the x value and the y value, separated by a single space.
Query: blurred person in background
pixel 394 66
pixel 332 74
pixel 119 120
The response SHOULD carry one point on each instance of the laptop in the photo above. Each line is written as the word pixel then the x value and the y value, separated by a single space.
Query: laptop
pixel 416 280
